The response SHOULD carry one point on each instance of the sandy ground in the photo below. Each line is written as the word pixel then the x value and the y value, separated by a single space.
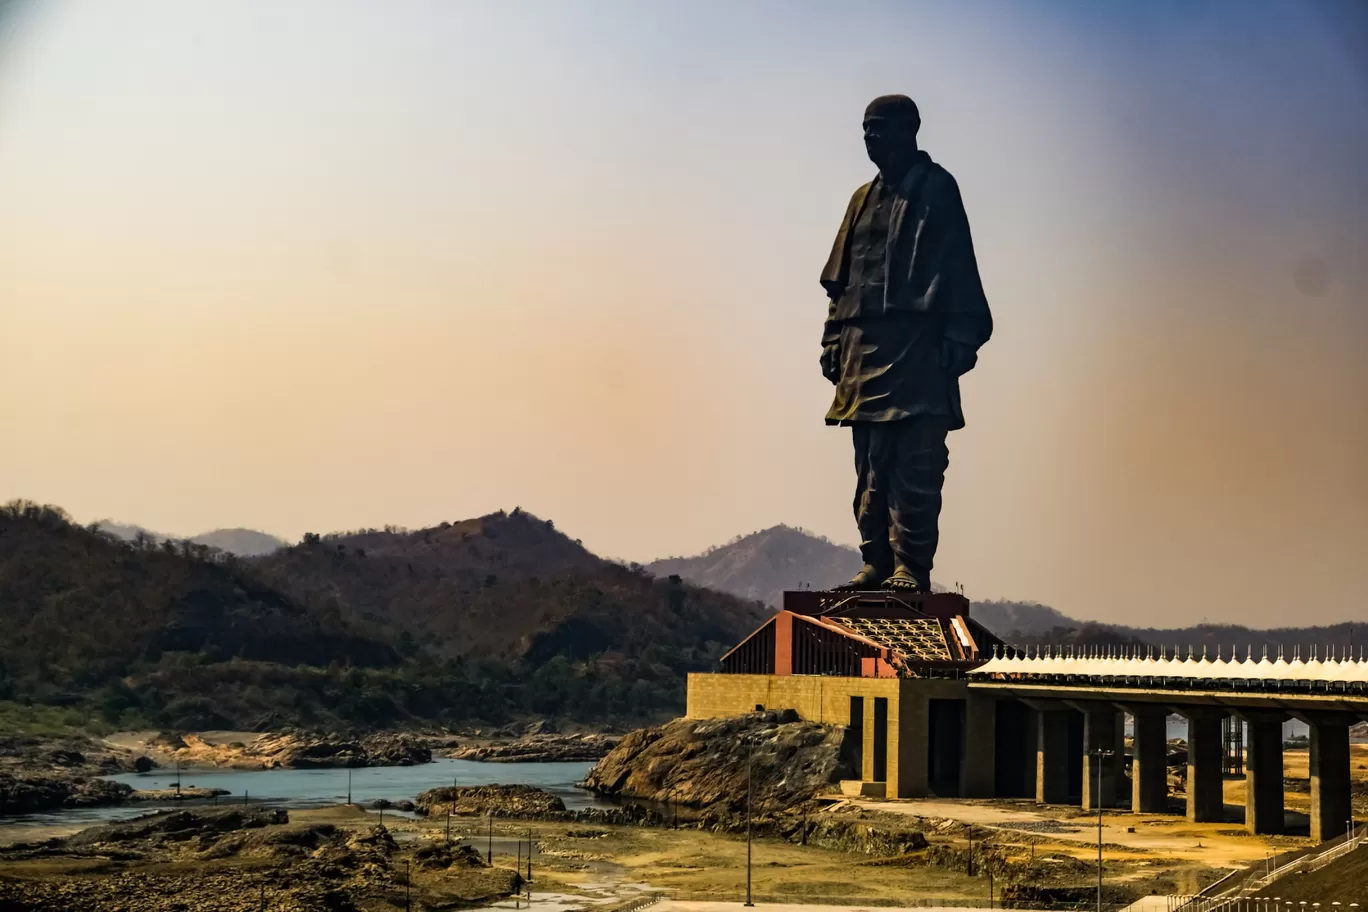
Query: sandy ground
pixel 1168 836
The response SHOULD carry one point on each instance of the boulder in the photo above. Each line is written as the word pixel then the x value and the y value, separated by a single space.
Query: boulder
pixel 492 800
pixel 702 763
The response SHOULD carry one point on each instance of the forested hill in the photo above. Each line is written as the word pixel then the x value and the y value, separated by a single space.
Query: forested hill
pixel 483 620
pixel 510 587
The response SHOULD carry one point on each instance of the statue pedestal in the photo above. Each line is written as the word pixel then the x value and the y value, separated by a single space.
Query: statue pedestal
pixel 876 603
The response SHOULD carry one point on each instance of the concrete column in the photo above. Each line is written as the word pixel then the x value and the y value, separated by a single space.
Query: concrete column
pixel 979 758
pixel 1099 733
pixel 1119 759
pixel 1052 757
pixel 1264 775
pixel 1330 807
pixel 1205 797
pixel 908 777
pixel 1149 768
pixel 867 761
pixel 1031 728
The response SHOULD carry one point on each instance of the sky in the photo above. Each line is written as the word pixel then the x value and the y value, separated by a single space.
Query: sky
pixel 334 264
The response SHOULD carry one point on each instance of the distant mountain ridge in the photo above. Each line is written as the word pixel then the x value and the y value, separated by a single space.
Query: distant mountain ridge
pixel 242 542
pixel 760 566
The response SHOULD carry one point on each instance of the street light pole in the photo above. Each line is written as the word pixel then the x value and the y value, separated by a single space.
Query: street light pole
pixel 749 751
pixel 1098 755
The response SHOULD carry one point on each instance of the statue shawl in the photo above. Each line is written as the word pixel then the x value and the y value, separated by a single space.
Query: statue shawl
pixel 930 260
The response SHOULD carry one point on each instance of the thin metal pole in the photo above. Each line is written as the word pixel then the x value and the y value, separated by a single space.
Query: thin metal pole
pixel 748 823
pixel 529 857
pixel 349 801
pixel 448 827
pixel 489 858
pixel 1098 798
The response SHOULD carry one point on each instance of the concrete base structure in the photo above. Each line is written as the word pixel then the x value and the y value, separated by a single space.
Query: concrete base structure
pixel 1264 811
pixel 1149 768
pixel 1205 798
pixel 1330 795
pixel 898 734
pixel 979 766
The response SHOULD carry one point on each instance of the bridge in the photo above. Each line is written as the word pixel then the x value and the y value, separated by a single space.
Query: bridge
pixel 1077 697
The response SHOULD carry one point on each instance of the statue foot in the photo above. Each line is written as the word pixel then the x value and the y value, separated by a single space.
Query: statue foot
pixel 903 581
pixel 870 577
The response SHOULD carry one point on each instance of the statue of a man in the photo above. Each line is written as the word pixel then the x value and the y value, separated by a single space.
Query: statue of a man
pixel 906 319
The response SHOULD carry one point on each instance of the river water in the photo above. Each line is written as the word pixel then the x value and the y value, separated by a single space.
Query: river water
pixel 316 788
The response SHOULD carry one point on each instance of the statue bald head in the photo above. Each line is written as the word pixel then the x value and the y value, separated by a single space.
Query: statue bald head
pixel 891 123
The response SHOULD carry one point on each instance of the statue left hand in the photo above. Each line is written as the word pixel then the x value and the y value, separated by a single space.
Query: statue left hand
pixel 957 358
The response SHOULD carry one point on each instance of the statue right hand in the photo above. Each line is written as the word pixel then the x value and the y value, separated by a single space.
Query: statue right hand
pixel 831 361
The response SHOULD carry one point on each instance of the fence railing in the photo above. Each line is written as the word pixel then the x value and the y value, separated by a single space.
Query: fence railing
pixel 904 902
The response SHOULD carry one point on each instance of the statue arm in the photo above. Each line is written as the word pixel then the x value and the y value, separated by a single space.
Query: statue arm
pixel 968 320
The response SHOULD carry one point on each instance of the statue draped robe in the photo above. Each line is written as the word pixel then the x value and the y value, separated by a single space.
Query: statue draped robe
pixel 892 357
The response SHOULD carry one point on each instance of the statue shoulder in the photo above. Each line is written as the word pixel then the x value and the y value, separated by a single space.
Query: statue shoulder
pixel 940 183
pixel 862 191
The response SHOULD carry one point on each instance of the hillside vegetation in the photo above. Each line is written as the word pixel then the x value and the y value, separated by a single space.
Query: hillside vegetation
pixel 482 620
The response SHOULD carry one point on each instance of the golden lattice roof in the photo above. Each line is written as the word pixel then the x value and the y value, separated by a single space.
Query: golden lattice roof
pixel 916 639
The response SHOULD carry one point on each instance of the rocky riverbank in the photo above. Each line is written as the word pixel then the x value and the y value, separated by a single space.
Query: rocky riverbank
pixel 541 748
pixel 241 860
pixel 28 794
pixel 291 750
pixel 68 755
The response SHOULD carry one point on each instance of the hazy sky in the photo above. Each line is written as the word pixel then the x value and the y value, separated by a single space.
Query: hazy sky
pixel 311 266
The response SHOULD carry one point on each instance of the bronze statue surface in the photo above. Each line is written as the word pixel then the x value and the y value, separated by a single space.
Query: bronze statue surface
pixel 906 318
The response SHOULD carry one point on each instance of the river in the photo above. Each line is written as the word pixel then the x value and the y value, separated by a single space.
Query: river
pixel 314 788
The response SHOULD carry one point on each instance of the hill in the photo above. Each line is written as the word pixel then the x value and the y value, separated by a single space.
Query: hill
pixel 510 589
pixel 760 566
pixel 242 542
pixel 485 620
pixel 1016 619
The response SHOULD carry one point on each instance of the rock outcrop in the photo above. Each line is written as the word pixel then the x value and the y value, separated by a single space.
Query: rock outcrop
pixel 492 800
pixel 541 748
pixel 234 859
pixel 298 750
pixel 27 794
pixel 702 763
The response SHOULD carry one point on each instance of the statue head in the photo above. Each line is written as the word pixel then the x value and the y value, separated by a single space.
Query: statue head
pixel 891 123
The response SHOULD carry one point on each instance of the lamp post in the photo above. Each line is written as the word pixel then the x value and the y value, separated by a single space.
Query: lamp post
pixel 1099 754
pixel 749 752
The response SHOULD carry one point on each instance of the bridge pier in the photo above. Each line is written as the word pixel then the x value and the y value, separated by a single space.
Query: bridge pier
pixel 1264 810
pixel 1099 774
pixel 1149 767
pixel 1330 796
pixel 1054 740
pixel 1205 782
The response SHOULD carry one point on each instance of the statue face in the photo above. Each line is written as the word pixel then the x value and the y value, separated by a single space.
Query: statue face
pixel 887 139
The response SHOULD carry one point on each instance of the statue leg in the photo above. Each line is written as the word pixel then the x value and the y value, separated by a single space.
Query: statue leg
pixel 874 447
pixel 915 478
